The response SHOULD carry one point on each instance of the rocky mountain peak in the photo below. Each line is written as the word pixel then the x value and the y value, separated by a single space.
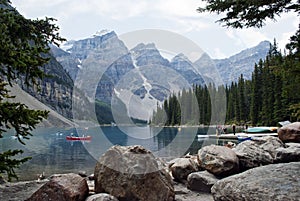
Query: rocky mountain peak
pixel 180 57
pixel 143 46
pixel 242 63
pixel 148 54
pixel 264 44
pixel 100 43
pixel 181 63
pixel 183 66
pixel 104 32
pixel 257 50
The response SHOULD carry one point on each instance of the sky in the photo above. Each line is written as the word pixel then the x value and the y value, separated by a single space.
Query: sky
pixel 79 19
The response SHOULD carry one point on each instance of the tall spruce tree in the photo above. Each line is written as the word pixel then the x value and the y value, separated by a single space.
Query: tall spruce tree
pixel 256 95
pixel 23 46
pixel 242 100
pixel 291 78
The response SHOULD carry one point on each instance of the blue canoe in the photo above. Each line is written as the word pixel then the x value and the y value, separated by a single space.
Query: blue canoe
pixel 243 138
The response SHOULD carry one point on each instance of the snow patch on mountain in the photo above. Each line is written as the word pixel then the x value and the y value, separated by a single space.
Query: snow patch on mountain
pixel 117 93
pixel 66 46
pixel 134 91
pixel 102 32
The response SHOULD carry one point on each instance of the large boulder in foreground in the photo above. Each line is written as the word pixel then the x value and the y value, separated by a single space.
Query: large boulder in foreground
pixel 290 132
pixel 218 160
pixel 201 181
pixel 254 153
pixel 132 173
pixel 274 182
pixel 182 167
pixel 62 187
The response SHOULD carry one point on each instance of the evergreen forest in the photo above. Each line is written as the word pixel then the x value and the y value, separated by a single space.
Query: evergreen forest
pixel 271 96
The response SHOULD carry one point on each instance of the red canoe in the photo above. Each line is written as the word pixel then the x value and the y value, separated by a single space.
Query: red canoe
pixel 79 138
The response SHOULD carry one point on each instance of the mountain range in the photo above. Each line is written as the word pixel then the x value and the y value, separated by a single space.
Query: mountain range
pixel 102 70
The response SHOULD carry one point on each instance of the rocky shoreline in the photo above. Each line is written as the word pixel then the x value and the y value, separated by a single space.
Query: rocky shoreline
pixel 23 190
pixel 265 168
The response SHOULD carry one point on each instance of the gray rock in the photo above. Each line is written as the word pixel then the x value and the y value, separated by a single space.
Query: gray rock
pixel 62 187
pixel 16 191
pixel 254 153
pixel 182 167
pixel 132 173
pixel 101 197
pixel 274 182
pixel 201 181
pixel 184 194
pixel 290 132
pixel 218 160
pixel 270 144
pixel 289 154
pixel 195 159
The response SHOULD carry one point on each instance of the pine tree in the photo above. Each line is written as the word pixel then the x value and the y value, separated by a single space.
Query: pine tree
pixel 23 50
pixel 242 100
pixel 256 95
pixel 248 93
pixel 291 78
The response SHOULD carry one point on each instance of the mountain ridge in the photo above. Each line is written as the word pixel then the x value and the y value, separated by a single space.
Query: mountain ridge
pixel 141 75
pixel 138 78
pixel 242 62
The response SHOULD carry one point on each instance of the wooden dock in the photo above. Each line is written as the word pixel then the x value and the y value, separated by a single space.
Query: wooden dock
pixel 235 137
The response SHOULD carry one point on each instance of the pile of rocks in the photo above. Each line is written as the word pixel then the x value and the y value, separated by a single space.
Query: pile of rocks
pixel 259 169
pixel 262 169
pixel 122 173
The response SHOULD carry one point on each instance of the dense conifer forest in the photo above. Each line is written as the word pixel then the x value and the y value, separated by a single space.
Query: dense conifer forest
pixel 272 95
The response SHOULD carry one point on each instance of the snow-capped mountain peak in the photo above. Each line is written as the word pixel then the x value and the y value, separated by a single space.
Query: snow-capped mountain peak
pixel 102 32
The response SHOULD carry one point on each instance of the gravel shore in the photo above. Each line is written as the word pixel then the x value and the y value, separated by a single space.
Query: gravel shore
pixel 22 190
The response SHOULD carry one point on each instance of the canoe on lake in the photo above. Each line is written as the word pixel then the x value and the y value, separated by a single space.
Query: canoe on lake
pixel 79 138
pixel 261 129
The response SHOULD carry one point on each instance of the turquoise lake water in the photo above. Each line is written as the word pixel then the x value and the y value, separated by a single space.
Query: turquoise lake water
pixel 52 153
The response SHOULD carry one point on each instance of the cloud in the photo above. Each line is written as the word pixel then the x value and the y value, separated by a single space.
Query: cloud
pixel 285 39
pixel 120 9
pixel 218 53
pixel 251 37
pixel 115 9
pixel 176 8
pixel 78 19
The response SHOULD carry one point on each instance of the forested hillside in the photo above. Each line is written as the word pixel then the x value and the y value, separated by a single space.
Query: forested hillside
pixel 272 95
